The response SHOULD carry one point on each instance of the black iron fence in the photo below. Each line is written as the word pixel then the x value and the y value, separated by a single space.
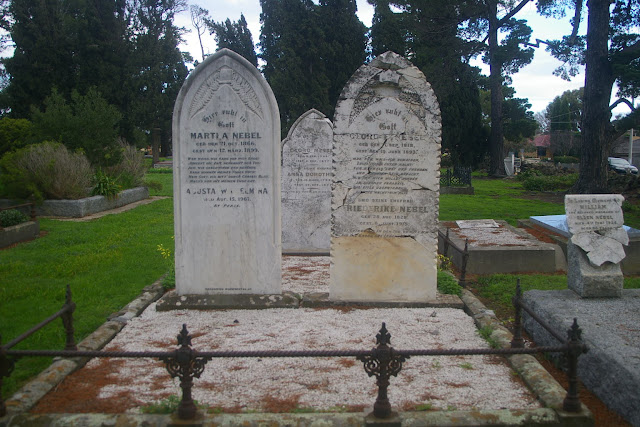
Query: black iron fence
pixel 459 176
pixel 382 361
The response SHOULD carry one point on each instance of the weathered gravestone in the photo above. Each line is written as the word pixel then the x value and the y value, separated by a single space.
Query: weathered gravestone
pixel 226 145
pixel 306 184
pixel 595 250
pixel 385 187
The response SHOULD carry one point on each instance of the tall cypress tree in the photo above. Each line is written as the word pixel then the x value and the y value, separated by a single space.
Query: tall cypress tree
pixel 235 36
pixel 428 34
pixel 158 66
pixel 292 41
pixel 345 44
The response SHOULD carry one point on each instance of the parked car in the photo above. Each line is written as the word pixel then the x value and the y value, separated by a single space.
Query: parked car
pixel 619 165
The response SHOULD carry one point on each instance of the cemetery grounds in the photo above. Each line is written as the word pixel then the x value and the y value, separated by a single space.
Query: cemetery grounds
pixel 107 262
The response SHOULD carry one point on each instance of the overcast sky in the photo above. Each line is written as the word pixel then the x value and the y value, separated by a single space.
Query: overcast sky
pixel 535 81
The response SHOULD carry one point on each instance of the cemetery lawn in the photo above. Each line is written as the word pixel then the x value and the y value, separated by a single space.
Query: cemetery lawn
pixel 500 199
pixel 506 199
pixel 107 262
pixel 496 290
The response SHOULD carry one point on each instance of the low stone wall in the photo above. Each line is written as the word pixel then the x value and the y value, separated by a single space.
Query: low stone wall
pixel 87 206
pixel 19 233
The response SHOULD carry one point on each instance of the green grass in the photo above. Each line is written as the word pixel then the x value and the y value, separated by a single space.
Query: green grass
pixel 165 181
pixel 106 261
pixel 498 289
pixel 495 199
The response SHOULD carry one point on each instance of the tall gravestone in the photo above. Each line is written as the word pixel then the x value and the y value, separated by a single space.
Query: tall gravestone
pixel 385 189
pixel 306 184
pixel 594 251
pixel 226 146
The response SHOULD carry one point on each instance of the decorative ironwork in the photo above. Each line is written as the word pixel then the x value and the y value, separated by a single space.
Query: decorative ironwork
pixel 460 176
pixel 571 402
pixel 67 320
pixel 517 341
pixel 383 362
pixel 186 364
pixel 6 368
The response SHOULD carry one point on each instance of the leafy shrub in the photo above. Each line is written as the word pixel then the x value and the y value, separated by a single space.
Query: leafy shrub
pixel 44 171
pixel 12 217
pixel 549 183
pixel 105 185
pixel 566 159
pixel 88 123
pixel 129 171
pixel 14 134
pixel 622 183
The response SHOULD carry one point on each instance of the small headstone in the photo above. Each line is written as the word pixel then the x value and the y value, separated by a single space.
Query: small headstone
pixel 386 184
pixel 306 185
pixel 226 145
pixel 594 251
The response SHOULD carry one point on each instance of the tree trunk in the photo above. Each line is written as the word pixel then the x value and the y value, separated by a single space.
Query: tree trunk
pixel 496 155
pixel 596 116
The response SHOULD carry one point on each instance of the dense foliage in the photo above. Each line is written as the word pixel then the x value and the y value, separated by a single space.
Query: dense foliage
pixel 611 55
pixel 124 50
pixel 310 52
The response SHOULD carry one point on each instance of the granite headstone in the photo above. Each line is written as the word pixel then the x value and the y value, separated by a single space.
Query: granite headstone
pixel 306 185
pixel 226 146
pixel 385 188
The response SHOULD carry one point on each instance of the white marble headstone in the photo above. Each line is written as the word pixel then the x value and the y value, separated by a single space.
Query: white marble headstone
pixel 226 146
pixel 386 185
pixel 306 184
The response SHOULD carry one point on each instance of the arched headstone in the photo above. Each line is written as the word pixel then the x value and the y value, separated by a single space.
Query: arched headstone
pixel 386 185
pixel 306 184
pixel 226 145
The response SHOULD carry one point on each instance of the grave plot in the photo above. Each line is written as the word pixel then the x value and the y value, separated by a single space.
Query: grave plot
pixel 497 247
pixel 285 385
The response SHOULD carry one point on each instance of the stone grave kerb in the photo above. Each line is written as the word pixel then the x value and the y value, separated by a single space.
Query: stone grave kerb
pixel 226 73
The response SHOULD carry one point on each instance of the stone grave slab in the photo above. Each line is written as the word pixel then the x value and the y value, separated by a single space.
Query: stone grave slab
pixel 306 185
pixel 226 145
pixel 516 250
pixel 385 189
pixel 478 223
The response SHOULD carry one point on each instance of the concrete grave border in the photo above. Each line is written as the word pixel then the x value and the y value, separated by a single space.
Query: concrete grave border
pixel 87 206
pixel 19 233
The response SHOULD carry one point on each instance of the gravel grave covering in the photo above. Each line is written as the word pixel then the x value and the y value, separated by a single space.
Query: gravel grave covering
pixel 282 384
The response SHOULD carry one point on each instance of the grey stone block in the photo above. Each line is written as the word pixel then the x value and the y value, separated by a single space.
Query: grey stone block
pixel 18 233
pixel 589 281
pixel 90 205
pixel 611 367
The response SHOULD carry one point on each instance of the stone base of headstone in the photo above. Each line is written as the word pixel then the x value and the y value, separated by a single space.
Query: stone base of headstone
pixel 393 421
pixel 174 301
pixel 372 268
pixel 589 281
